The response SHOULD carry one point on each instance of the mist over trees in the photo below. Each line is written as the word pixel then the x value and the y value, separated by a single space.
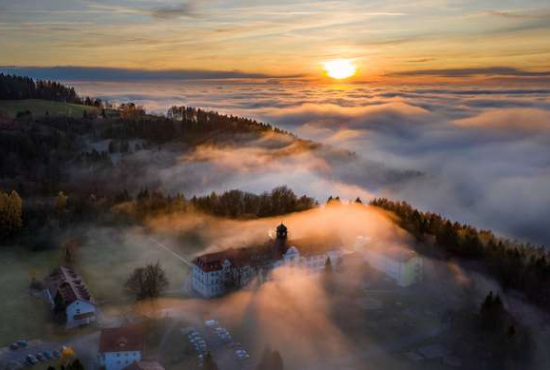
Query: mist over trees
pixel 514 265
pixel 270 360
pixel 230 204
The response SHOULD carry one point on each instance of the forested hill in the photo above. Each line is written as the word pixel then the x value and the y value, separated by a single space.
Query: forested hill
pixel 51 139
pixel 514 265
pixel 19 88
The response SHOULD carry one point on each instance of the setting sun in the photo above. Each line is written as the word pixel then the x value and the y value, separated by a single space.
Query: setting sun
pixel 340 69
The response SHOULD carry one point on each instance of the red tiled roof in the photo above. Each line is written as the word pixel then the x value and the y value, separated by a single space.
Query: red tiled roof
pixel 123 339
pixel 256 255
pixel 266 253
pixel 67 283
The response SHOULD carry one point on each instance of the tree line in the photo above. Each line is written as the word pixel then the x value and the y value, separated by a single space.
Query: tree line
pixel 514 265
pixel 19 88
pixel 231 204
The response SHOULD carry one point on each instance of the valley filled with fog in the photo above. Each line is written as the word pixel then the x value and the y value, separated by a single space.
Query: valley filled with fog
pixel 475 154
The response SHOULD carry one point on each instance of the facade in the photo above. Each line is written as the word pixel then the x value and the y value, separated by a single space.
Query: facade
pixel 217 273
pixel 66 292
pixel 404 266
pixel 120 347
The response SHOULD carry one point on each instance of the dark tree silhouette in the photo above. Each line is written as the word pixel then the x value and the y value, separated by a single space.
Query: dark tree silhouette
pixel 147 282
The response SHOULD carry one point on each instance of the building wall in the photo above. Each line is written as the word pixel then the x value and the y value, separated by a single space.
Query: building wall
pixel 212 283
pixel 77 308
pixel 118 360
pixel 207 283
pixel 404 273
pixel 412 271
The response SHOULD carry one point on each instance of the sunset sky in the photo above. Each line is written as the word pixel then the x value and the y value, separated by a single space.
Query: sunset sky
pixel 449 108
pixel 283 37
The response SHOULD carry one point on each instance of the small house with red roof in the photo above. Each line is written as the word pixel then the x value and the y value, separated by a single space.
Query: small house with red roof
pixel 69 295
pixel 120 347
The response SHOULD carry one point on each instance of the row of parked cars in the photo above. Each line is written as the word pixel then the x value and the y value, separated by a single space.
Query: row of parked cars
pixel 32 358
pixel 199 344
pixel 226 338
pixel 43 357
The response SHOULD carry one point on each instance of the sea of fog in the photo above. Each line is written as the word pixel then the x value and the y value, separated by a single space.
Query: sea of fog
pixel 478 155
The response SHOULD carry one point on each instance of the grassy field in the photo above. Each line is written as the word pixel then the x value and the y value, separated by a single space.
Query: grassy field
pixel 23 315
pixel 105 261
pixel 40 107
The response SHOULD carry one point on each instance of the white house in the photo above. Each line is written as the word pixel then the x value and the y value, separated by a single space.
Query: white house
pixel 214 274
pixel 120 347
pixel 67 293
pixel 402 265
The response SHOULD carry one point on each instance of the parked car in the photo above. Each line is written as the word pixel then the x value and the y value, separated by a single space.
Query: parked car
pixel 211 323
pixel 48 355
pixel 31 360
pixel 40 357
pixel 22 343
pixel 56 353
pixel 242 354
pixel 14 346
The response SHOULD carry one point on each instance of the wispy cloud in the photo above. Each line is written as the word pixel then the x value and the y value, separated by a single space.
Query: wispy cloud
pixel 469 72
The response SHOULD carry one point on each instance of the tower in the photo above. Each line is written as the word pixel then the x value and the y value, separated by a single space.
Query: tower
pixel 282 234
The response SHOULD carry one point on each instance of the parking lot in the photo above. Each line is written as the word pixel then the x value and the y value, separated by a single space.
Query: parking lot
pixel 216 339
pixel 23 354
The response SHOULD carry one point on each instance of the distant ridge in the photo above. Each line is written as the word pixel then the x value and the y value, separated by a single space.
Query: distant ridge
pixel 125 74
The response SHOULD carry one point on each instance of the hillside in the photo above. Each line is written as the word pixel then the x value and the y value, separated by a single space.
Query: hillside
pixel 40 108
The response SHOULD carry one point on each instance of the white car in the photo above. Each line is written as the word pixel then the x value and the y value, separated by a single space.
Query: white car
pixel 242 354
pixel 211 323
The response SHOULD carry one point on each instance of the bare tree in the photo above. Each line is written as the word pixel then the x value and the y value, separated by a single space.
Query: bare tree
pixel 147 282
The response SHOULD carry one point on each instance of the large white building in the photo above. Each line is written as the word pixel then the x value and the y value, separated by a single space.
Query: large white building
pixel 120 347
pixel 402 265
pixel 67 293
pixel 216 273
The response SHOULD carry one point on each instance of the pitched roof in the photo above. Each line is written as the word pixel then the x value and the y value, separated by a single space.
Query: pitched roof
pixel 144 365
pixel 315 246
pixel 123 339
pixel 68 284
pixel 400 254
pixel 249 256
pixel 264 253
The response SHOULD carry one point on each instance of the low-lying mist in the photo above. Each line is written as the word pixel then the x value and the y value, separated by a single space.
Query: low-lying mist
pixel 315 321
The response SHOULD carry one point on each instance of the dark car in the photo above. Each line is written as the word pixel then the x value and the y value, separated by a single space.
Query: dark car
pixel 40 357
pixel 22 343
pixel 48 355
pixel 31 360
pixel 14 346
pixel 56 354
